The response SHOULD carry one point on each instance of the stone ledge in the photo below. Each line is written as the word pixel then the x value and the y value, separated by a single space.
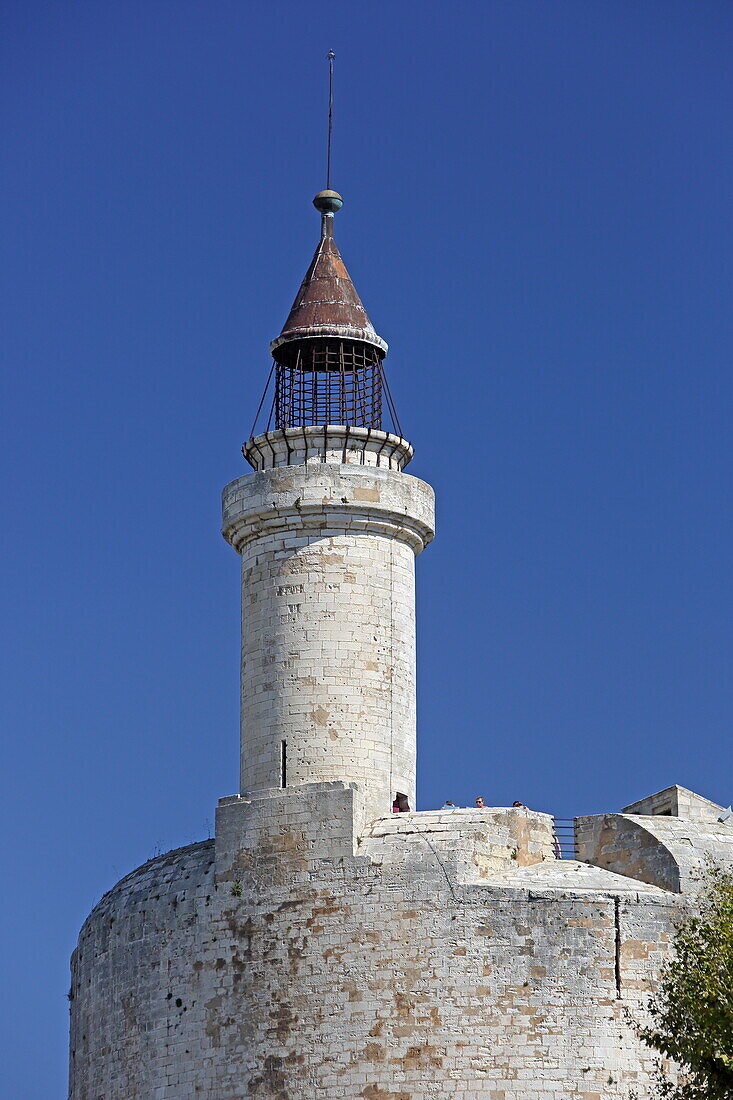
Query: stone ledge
pixel 330 443
pixel 334 498
pixel 442 820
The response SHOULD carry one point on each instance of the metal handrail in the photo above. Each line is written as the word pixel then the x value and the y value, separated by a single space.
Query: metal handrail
pixel 564 832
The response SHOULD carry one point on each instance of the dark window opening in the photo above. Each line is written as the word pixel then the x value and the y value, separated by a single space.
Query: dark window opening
pixel 283 764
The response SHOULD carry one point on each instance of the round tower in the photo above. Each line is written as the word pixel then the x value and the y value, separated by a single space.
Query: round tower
pixel 304 953
pixel 328 527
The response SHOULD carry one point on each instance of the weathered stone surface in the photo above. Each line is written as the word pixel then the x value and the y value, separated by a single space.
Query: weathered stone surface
pixel 323 948
pixel 307 962
pixel 676 802
pixel 329 443
pixel 667 851
pixel 328 625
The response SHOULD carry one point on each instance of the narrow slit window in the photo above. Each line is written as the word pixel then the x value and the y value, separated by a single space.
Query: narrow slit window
pixel 283 764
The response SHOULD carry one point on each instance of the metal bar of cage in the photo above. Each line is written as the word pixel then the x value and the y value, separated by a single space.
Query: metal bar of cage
pixel 329 383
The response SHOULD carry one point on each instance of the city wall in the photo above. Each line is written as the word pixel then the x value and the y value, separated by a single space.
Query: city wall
pixel 436 954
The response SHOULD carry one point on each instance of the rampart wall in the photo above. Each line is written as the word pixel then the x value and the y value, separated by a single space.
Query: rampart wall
pixel 439 954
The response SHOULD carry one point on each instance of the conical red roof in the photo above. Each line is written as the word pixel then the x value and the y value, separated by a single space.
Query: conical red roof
pixel 327 303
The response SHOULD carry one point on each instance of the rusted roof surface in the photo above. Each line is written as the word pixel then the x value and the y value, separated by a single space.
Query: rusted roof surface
pixel 327 303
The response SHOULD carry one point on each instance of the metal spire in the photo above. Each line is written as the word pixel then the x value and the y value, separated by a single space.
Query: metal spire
pixel 331 56
pixel 328 201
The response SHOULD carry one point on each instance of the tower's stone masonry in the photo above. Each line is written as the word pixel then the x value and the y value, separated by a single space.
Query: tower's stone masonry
pixel 433 954
pixel 328 624
pixel 321 947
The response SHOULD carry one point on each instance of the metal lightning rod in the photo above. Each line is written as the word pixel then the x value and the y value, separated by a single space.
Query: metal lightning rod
pixel 331 56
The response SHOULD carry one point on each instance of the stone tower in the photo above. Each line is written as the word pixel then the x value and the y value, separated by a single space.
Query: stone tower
pixel 328 528
pixel 321 947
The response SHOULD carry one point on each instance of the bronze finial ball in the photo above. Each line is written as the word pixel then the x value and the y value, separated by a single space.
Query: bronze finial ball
pixel 328 202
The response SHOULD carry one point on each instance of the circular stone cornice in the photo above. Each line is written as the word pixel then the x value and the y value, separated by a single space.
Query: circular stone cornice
pixel 292 500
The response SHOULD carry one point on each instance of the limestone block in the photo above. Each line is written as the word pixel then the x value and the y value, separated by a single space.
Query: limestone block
pixel 323 974
pixel 470 845
pixel 330 443
pixel 676 802
pixel 291 499
pixel 666 851
pixel 281 832
pixel 328 625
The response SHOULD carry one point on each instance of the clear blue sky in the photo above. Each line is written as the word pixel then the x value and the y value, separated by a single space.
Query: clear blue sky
pixel 538 217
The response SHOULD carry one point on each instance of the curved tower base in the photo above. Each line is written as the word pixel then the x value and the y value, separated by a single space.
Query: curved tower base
pixel 442 954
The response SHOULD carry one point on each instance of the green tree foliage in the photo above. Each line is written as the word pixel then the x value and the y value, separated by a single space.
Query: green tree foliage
pixel 692 1010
